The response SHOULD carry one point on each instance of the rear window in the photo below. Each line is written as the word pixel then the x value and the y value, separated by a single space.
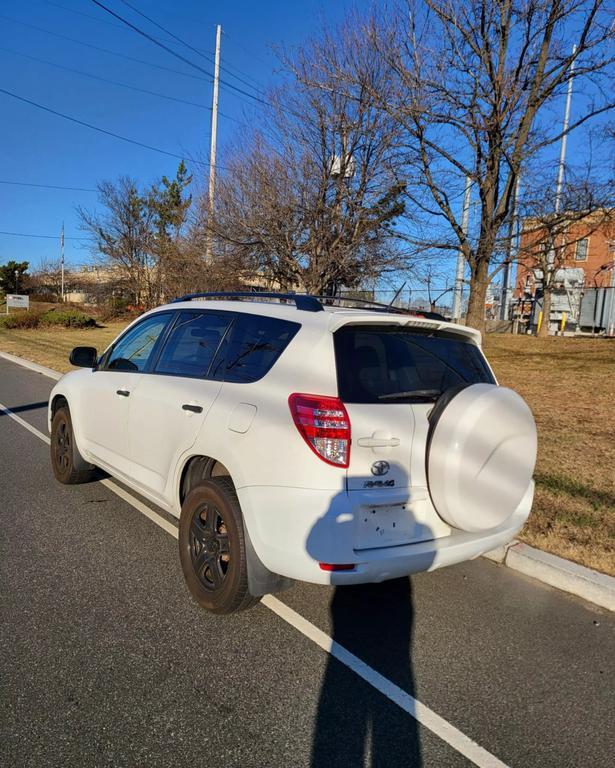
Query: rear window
pixel 251 348
pixel 392 364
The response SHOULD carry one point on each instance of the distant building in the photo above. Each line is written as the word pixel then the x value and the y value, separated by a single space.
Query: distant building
pixel 583 269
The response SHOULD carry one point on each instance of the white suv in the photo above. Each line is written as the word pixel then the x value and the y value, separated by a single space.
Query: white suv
pixel 296 438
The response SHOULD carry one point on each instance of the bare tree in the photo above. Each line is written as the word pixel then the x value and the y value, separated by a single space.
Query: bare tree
pixel 311 200
pixel 141 234
pixel 472 85
pixel 46 278
pixel 123 237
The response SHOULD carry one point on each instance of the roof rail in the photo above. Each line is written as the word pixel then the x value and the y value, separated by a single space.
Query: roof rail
pixel 301 300
pixel 311 303
pixel 377 306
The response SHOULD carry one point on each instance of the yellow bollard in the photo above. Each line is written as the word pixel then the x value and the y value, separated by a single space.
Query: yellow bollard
pixel 539 322
pixel 563 323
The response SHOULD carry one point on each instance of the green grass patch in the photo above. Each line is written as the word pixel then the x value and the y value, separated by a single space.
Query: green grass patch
pixel 65 318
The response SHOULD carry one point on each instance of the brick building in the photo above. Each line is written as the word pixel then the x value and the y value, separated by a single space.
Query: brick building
pixel 583 264
pixel 588 245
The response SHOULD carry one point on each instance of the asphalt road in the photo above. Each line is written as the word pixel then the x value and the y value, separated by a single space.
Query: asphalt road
pixel 106 661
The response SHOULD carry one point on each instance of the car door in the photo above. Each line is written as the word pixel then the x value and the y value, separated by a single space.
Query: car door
pixel 171 402
pixel 105 402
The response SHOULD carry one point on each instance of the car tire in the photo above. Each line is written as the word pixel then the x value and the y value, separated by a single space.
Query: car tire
pixel 212 548
pixel 65 456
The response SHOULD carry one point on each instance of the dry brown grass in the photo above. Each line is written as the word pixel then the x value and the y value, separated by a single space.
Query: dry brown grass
pixel 51 346
pixel 570 386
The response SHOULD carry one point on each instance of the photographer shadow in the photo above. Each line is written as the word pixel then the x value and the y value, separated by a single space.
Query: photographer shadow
pixel 355 724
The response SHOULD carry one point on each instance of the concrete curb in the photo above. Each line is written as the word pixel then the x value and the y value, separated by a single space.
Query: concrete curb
pixel 32 366
pixel 597 588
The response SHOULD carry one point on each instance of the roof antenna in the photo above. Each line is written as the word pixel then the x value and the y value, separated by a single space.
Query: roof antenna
pixel 394 299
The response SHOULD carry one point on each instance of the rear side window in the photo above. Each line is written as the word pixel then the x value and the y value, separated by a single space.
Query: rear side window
pixel 388 364
pixel 192 344
pixel 251 348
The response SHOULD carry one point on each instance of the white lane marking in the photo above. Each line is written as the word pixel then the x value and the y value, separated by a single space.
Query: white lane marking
pixel 141 507
pixel 25 424
pixel 420 712
pixel 32 366
pixel 119 491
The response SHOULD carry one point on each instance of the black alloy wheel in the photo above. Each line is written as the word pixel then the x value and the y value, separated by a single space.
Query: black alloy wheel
pixel 62 446
pixel 209 546
pixel 212 547
pixel 65 457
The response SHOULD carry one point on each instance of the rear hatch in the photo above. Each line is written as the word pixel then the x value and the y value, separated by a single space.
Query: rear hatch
pixel 389 377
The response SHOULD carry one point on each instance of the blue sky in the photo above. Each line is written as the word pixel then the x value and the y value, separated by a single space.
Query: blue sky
pixel 41 148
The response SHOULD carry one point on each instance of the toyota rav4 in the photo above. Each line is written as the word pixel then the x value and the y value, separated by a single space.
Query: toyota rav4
pixel 298 438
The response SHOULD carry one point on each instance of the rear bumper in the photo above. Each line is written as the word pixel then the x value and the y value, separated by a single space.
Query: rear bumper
pixel 294 529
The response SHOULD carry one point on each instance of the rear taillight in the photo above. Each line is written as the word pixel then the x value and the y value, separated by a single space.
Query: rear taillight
pixel 324 425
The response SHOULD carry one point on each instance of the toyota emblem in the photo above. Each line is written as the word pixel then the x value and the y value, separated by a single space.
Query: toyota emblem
pixel 380 468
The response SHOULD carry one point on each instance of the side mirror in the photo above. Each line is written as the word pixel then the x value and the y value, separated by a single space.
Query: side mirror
pixel 83 357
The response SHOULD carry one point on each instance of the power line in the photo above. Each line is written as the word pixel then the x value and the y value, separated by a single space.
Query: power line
pixel 90 16
pixel 47 186
pixel 206 55
pixel 176 54
pixel 250 53
pixel 105 80
pixel 85 15
pixel 96 128
pixel 103 50
pixel 42 237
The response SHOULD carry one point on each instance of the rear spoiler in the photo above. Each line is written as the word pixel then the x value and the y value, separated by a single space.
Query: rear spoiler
pixel 338 319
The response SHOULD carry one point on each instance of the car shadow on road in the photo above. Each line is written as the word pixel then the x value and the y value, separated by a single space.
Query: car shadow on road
pixel 356 725
pixel 26 407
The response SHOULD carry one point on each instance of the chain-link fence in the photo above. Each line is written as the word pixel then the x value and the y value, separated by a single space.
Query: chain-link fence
pixel 578 309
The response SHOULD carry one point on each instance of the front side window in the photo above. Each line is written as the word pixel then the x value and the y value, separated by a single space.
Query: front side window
pixel 251 348
pixel 580 253
pixel 192 343
pixel 388 364
pixel 133 351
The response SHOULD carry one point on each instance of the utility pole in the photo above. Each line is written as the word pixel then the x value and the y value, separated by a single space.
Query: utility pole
pixel 560 175
pixel 465 216
pixel 212 149
pixel 562 154
pixel 507 272
pixel 610 326
pixel 62 259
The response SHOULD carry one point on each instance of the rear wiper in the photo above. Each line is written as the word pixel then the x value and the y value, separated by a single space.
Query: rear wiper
pixel 431 394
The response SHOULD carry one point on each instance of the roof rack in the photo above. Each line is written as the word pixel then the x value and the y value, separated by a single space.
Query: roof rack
pixel 301 300
pixel 377 306
pixel 311 303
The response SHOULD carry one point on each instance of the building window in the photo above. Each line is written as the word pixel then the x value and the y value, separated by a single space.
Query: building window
pixel 580 253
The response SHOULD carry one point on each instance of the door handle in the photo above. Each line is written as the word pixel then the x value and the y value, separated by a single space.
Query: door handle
pixel 122 392
pixel 192 408
pixel 378 442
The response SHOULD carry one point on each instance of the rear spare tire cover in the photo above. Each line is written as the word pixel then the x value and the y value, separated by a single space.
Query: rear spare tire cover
pixel 481 457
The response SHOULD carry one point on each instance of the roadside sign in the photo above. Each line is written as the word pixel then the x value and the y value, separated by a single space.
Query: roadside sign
pixel 17 301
